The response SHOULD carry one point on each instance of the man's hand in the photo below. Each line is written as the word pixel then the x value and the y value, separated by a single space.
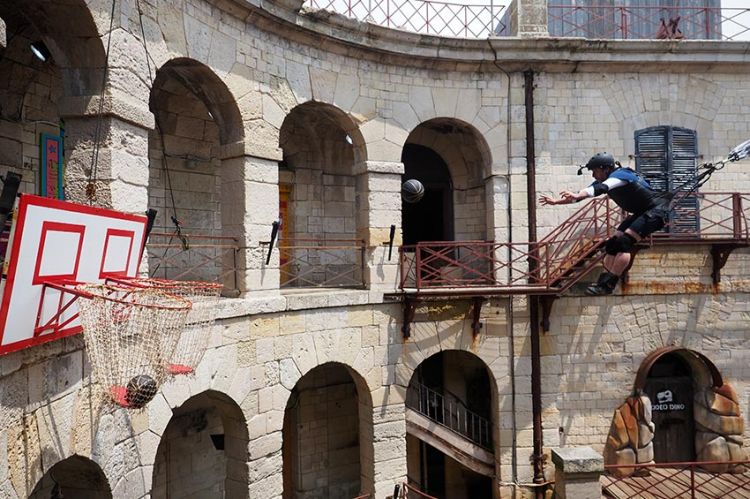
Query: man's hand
pixel 545 200
pixel 570 197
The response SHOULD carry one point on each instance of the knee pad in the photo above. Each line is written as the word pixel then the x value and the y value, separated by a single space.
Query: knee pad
pixel 619 244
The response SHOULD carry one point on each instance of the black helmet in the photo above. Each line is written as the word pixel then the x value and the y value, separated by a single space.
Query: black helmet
pixel 601 160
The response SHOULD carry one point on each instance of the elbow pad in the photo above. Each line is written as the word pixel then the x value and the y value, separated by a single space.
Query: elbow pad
pixel 600 188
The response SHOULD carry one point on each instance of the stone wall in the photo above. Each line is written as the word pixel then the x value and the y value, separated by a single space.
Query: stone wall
pixel 226 170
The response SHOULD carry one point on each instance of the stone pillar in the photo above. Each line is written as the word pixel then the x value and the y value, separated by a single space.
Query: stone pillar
pixel 379 207
pixel 577 472
pixel 121 173
pixel 249 206
pixel 389 441
pixel 528 18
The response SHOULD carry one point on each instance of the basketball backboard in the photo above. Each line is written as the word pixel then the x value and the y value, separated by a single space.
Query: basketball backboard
pixel 54 241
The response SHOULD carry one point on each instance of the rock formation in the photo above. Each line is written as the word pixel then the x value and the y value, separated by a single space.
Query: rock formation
pixel 630 435
pixel 718 428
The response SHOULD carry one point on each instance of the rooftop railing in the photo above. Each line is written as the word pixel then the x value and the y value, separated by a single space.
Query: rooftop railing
pixel 422 16
pixel 625 22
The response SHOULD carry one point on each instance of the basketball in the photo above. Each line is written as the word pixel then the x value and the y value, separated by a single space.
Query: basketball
pixel 412 191
pixel 141 389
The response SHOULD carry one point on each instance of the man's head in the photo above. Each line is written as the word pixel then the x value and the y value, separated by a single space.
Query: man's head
pixel 601 165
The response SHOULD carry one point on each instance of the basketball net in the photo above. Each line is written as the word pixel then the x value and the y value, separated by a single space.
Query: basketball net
pixel 130 335
pixel 193 340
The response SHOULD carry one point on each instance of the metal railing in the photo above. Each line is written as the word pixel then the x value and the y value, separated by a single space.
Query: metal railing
pixel 466 264
pixel 322 263
pixel 704 480
pixel 644 22
pixel 564 255
pixel 447 410
pixel 422 16
pixel 193 257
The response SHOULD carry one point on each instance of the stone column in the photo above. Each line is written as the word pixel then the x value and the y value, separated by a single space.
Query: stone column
pixel 249 206
pixel 379 207
pixel 528 18
pixel 121 173
pixel 577 472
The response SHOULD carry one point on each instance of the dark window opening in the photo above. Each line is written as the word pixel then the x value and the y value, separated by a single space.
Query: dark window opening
pixel 666 156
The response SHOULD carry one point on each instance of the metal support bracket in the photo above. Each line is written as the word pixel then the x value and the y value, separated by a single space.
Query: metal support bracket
pixel 719 255
pixel 410 306
pixel 476 311
pixel 546 302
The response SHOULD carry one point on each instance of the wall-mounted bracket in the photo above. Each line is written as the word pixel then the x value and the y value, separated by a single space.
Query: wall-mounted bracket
pixel 546 302
pixel 476 312
pixel 719 255
pixel 410 306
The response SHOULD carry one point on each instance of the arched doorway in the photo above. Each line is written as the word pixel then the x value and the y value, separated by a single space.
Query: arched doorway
pixel 450 426
pixel 669 386
pixel 320 198
pixel 203 451
pixel 430 219
pixel 696 413
pixel 75 476
pixel 327 448
pixel 189 182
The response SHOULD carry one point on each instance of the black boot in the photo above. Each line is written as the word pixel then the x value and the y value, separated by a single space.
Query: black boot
pixel 605 285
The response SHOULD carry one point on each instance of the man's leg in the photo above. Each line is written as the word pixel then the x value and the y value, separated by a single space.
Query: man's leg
pixel 615 262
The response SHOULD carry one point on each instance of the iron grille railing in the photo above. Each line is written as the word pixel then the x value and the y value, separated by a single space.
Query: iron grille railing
pixel 322 263
pixel 449 411
pixel 194 257
pixel 564 255
pixel 704 480
pixel 643 22
pixel 422 16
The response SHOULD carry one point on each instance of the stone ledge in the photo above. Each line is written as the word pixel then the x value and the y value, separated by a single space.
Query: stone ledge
pixel 297 299
pixel 578 460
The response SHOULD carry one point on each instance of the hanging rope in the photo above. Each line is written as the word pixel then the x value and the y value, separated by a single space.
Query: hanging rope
pixel 91 186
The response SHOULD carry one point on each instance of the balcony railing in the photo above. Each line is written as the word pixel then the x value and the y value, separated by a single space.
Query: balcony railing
pixel 422 16
pixel 322 263
pixel 563 256
pixel 689 480
pixel 194 257
pixel 449 411
pixel 625 22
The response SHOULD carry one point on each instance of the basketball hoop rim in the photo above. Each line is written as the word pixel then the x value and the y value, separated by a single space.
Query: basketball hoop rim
pixel 79 289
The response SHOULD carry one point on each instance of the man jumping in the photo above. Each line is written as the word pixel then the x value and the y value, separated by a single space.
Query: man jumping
pixel 631 192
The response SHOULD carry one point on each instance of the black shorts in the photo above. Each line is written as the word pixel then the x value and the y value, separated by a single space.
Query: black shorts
pixel 645 223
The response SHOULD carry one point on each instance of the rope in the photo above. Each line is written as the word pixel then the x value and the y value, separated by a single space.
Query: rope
pixel 175 220
pixel 91 187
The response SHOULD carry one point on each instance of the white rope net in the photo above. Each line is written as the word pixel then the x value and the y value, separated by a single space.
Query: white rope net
pixel 193 340
pixel 130 333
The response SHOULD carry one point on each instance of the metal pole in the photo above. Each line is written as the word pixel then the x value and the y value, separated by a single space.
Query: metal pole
pixel 536 378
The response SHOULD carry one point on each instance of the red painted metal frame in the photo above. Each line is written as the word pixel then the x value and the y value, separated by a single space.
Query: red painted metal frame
pixel 563 256
pixel 298 267
pixel 693 489
pixel 617 21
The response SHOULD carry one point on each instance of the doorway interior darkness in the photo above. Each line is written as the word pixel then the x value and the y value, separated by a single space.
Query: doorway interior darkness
pixel 431 219
pixel 669 386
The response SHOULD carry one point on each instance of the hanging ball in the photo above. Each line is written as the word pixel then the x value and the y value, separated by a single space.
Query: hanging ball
pixel 412 191
pixel 140 390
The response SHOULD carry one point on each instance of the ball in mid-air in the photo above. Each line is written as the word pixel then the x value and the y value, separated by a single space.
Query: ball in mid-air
pixel 412 191
pixel 140 390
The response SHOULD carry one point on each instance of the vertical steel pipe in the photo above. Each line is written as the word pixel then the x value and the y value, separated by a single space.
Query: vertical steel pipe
pixel 536 378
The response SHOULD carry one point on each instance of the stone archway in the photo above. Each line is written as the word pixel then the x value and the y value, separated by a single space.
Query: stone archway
pixel 465 153
pixel 450 426
pixel 75 476
pixel 192 178
pixel 203 450
pixel 716 424
pixel 328 435
pixel 320 198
